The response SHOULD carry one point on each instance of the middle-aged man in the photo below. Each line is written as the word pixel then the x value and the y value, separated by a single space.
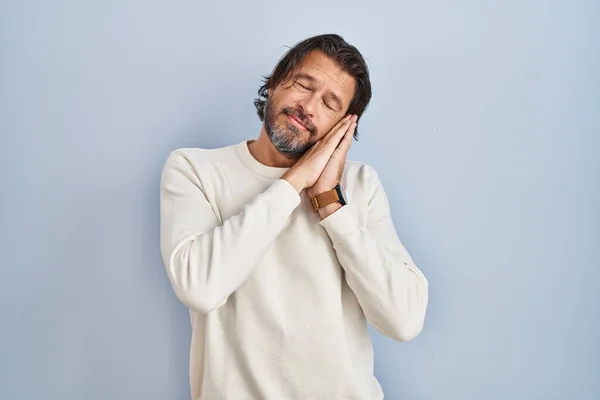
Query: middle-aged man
pixel 282 250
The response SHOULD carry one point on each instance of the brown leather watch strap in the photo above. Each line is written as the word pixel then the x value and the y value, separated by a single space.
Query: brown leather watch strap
pixel 323 199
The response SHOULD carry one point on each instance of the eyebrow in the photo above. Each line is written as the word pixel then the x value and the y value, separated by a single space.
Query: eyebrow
pixel 312 79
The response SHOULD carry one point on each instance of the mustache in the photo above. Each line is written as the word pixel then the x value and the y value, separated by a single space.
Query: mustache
pixel 303 118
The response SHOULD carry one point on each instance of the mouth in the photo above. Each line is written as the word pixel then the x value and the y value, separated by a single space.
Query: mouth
pixel 294 120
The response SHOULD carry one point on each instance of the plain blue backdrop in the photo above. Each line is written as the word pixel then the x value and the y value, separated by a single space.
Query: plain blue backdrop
pixel 484 128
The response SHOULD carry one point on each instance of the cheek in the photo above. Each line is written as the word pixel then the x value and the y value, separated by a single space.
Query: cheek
pixel 274 98
pixel 282 96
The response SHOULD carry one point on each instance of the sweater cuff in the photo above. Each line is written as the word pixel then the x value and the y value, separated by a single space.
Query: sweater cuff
pixel 340 225
pixel 282 196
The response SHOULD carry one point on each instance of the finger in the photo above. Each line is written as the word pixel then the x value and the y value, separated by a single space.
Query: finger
pixel 350 125
pixel 341 151
pixel 340 124
pixel 333 139
pixel 346 141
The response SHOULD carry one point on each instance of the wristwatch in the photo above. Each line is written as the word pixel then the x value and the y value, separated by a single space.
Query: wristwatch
pixel 335 195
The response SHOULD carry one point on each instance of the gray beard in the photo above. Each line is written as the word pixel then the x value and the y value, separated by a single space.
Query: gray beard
pixel 284 138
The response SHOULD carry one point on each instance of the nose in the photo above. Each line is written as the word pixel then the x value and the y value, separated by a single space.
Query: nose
pixel 307 105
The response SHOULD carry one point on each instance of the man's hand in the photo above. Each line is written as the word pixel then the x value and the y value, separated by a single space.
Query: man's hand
pixel 332 173
pixel 308 169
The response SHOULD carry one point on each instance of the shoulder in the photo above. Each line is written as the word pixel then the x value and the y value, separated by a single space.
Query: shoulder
pixel 363 188
pixel 197 164
pixel 361 181
pixel 361 173
pixel 197 156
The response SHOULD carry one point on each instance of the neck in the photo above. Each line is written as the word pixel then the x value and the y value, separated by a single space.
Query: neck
pixel 263 151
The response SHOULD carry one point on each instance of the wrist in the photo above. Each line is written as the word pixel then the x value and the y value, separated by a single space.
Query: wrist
pixel 326 201
pixel 329 209
pixel 294 181
pixel 315 191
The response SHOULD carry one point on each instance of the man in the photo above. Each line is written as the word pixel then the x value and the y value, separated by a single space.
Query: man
pixel 282 250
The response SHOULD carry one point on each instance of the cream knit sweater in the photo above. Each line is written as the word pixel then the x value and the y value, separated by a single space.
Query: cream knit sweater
pixel 279 299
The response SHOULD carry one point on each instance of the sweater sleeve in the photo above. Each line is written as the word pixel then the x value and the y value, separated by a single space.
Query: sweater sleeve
pixel 206 259
pixel 390 288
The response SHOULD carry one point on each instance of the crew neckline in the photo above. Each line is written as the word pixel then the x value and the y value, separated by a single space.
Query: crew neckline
pixel 257 166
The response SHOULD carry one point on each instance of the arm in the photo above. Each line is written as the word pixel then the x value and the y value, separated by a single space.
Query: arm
pixel 391 290
pixel 207 259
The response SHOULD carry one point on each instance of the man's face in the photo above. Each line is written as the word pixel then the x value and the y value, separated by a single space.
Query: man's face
pixel 302 110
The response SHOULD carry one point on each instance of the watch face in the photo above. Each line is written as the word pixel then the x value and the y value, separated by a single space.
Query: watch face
pixel 341 195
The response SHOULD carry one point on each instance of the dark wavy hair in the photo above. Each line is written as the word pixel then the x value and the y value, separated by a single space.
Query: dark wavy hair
pixel 337 49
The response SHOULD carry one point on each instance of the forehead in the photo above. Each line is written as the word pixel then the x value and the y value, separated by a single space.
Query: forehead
pixel 329 75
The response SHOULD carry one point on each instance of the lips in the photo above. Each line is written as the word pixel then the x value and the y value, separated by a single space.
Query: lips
pixel 297 121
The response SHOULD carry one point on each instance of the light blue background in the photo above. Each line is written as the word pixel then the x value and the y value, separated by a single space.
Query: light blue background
pixel 484 127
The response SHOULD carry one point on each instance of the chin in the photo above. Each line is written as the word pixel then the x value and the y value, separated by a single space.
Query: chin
pixel 289 143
